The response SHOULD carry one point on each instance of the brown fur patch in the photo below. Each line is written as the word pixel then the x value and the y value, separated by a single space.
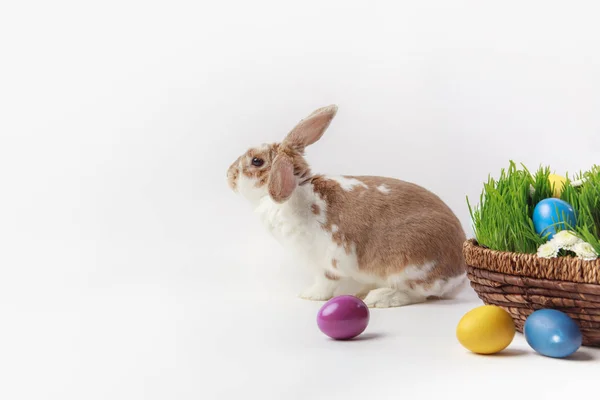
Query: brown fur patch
pixel 390 231
pixel 262 176
pixel 334 263
pixel 315 209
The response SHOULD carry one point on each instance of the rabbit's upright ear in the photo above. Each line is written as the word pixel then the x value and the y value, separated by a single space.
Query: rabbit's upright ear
pixel 311 128
pixel 282 181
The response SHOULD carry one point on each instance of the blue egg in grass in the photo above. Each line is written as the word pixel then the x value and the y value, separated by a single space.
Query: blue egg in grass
pixel 552 333
pixel 552 215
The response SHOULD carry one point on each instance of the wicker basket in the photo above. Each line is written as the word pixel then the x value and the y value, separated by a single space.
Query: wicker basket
pixel 523 283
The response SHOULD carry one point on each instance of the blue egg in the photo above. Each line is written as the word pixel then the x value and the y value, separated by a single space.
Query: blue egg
pixel 552 333
pixel 553 215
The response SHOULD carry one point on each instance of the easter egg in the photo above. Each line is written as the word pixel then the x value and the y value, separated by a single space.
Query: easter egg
pixel 552 333
pixel 486 330
pixel 552 215
pixel 557 182
pixel 343 317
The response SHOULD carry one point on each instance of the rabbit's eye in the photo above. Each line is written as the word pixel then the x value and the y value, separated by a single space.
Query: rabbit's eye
pixel 257 162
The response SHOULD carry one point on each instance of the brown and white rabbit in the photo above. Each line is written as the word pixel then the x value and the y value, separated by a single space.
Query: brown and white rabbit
pixel 398 241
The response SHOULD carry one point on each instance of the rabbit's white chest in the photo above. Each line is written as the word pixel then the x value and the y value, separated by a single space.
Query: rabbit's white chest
pixel 294 225
pixel 289 226
pixel 298 226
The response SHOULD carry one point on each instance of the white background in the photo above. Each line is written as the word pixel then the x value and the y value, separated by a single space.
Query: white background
pixel 130 271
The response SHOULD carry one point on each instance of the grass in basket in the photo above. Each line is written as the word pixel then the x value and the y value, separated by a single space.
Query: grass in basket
pixel 502 221
pixel 585 200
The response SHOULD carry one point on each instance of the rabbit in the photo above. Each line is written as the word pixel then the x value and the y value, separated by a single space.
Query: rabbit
pixel 395 242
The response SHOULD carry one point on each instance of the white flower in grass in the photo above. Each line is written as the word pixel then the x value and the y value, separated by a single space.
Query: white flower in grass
pixel 547 250
pixel 565 240
pixel 585 251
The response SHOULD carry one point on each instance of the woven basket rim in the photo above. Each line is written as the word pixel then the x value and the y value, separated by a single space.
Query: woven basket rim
pixel 569 269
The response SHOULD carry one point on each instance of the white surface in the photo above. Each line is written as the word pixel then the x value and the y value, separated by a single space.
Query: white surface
pixel 128 269
pixel 164 340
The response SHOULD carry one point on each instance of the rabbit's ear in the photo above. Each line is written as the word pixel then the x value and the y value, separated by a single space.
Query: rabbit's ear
pixel 282 181
pixel 311 128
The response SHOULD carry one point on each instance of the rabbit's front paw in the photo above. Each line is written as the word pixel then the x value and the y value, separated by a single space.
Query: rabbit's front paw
pixel 388 297
pixel 319 291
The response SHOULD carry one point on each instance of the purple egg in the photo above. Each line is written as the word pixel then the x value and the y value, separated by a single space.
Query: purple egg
pixel 343 317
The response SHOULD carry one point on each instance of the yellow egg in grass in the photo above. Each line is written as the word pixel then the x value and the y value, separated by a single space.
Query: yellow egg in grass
pixel 557 183
pixel 486 330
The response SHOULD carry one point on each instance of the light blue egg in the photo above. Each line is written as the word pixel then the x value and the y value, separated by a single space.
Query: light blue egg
pixel 553 215
pixel 552 333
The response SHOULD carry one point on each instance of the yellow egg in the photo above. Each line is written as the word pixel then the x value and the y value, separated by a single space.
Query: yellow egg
pixel 557 182
pixel 486 330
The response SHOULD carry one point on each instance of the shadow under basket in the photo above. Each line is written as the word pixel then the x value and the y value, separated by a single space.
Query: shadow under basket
pixel 523 283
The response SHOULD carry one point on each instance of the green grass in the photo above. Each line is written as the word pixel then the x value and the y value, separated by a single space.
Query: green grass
pixel 585 199
pixel 503 218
